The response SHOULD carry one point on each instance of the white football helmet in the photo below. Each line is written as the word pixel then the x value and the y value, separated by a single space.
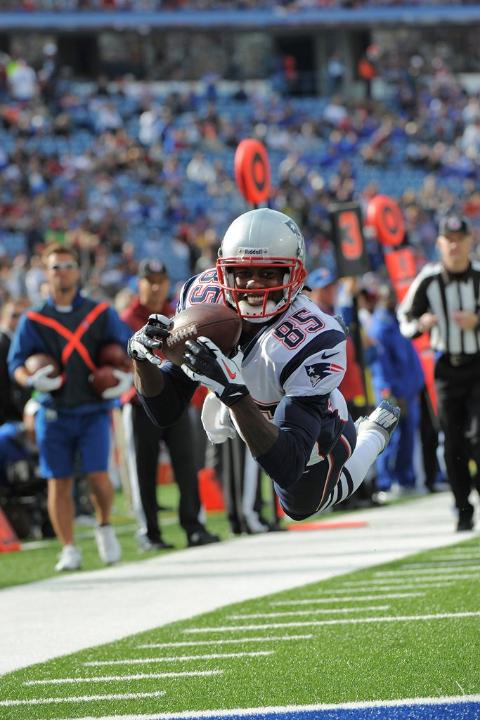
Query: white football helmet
pixel 262 238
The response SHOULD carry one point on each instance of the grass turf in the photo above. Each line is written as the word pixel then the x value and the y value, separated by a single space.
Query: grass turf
pixel 338 662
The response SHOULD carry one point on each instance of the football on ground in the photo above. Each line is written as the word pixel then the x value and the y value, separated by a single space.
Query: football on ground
pixel 40 360
pixel 219 323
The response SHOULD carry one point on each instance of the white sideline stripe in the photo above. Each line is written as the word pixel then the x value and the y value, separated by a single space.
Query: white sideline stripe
pixel 323 611
pixel 187 715
pixel 432 574
pixel 194 643
pixel 397 585
pixel 177 658
pixel 116 678
pixel 443 563
pixel 340 621
pixel 343 598
pixel 83 698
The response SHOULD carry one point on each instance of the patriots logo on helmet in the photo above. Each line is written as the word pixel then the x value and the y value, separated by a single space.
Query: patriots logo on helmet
pixel 318 371
pixel 293 227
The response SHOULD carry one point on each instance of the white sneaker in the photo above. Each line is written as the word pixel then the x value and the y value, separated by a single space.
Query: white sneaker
pixel 384 419
pixel 69 559
pixel 107 544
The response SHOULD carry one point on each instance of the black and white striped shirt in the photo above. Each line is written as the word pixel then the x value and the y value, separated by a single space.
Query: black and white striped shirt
pixel 437 291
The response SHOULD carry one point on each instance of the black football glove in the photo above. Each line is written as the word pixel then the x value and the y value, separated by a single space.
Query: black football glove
pixel 204 362
pixel 149 338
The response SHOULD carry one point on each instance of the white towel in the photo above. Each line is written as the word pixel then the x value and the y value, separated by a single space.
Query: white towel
pixel 216 420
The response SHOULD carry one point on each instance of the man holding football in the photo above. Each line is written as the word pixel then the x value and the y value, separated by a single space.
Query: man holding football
pixel 280 389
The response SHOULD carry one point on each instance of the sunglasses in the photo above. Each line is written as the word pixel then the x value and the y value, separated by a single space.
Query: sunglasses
pixel 64 266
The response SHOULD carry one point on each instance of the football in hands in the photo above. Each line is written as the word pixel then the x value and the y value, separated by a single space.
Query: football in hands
pixel 111 357
pixel 114 355
pixel 219 323
pixel 103 378
pixel 40 360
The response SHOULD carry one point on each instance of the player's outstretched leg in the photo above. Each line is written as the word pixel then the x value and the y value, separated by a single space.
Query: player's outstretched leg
pixel 384 419
pixel 373 435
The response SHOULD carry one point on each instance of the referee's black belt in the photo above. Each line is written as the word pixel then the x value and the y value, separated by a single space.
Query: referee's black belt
pixel 463 359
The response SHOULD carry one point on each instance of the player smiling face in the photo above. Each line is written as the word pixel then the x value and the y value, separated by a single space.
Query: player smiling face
pixel 253 282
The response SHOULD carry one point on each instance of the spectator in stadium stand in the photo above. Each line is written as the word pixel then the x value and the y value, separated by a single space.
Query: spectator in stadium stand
pixel 22 80
pixel 367 69
pixel 145 438
pixel 73 422
pixel 444 300
pixel 396 374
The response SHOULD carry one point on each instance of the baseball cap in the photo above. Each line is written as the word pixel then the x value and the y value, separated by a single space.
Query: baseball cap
pixel 320 278
pixel 151 266
pixel 453 222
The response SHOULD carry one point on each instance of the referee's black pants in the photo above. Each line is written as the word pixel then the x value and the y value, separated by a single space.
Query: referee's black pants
pixel 179 439
pixel 458 395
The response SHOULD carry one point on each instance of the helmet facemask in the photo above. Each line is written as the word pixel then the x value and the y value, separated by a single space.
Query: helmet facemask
pixel 291 285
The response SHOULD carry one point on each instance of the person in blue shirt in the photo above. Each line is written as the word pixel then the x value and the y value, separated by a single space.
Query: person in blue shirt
pixel 396 373
pixel 73 422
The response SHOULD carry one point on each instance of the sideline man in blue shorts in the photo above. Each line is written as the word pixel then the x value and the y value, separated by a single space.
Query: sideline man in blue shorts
pixel 73 421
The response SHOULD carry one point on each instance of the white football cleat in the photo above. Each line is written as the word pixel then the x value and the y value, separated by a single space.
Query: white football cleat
pixel 384 419
pixel 107 544
pixel 69 559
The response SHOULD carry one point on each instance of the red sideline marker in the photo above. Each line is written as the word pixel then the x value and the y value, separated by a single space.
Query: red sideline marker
pixel 322 525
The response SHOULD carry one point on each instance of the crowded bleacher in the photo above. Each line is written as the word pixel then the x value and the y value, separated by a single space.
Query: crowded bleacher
pixel 126 169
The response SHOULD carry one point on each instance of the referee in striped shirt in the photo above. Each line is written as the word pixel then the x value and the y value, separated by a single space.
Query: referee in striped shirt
pixel 444 300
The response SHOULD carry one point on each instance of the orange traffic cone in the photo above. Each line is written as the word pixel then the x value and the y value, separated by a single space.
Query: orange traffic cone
pixel 8 539
pixel 211 494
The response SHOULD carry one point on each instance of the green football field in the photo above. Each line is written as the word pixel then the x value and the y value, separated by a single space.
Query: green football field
pixel 408 629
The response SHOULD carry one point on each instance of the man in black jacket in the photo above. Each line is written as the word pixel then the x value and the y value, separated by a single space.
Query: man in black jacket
pixel 153 289
pixel 444 300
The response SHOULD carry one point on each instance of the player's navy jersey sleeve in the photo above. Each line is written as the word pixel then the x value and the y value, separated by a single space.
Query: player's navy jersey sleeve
pixel 166 408
pixel 305 423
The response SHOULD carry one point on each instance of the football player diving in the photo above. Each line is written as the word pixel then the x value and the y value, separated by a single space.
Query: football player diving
pixel 280 389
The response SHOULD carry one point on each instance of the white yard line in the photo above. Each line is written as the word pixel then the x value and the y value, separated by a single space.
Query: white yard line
pixel 177 658
pixel 346 598
pixel 80 610
pixel 121 678
pixel 224 641
pixel 439 574
pixel 434 564
pixel 339 621
pixel 316 611
pixel 393 585
pixel 83 699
